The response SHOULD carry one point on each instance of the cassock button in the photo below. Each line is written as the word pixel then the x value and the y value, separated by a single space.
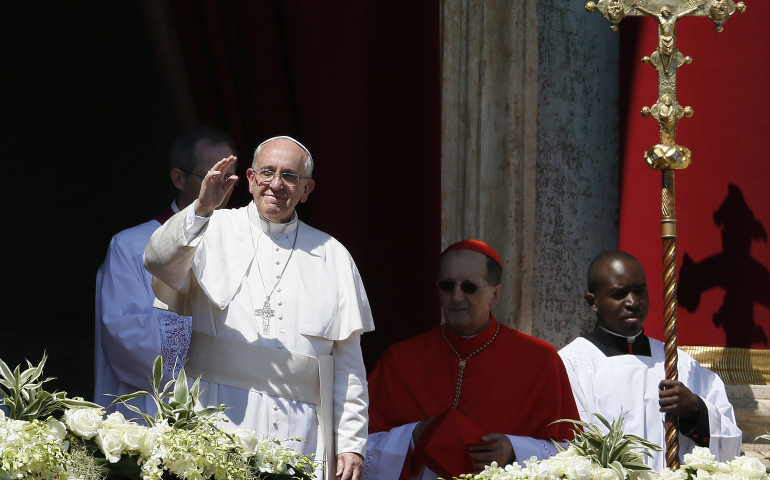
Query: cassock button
pixel 277 262
pixel 705 439
pixel 275 408
pixel 275 424
pixel 277 249
pixel 279 290
pixel 280 317
pixel 280 303
pixel 277 275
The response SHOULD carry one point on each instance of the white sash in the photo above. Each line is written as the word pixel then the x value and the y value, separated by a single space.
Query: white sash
pixel 278 373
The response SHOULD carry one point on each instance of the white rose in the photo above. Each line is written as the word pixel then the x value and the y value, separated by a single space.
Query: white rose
pixel 247 439
pixel 607 474
pixel 700 458
pixel 133 437
pixel 111 442
pixel 648 475
pixel 668 474
pixel 84 422
pixel 723 475
pixel 116 421
pixel 57 429
pixel 579 468
pixel 748 467
pixel 703 474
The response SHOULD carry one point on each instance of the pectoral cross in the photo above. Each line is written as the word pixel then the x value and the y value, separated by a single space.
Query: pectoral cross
pixel 266 313
pixel 667 156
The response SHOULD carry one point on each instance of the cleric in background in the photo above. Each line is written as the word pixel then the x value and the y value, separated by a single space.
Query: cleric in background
pixel 130 333
pixel 466 393
pixel 618 370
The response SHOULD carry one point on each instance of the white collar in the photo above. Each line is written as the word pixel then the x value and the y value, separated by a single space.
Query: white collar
pixel 174 207
pixel 631 339
pixel 269 227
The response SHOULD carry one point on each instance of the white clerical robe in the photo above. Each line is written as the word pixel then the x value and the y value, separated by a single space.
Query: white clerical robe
pixel 129 332
pixel 628 384
pixel 387 451
pixel 319 303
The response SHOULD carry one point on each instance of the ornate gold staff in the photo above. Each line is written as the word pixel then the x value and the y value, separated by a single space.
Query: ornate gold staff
pixel 667 156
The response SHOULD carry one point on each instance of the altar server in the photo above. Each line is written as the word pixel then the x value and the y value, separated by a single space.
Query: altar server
pixel 130 333
pixel 278 309
pixel 465 393
pixel 617 370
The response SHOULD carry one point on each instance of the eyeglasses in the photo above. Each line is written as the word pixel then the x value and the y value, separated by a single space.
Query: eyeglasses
pixel 467 287
pixel 266 176
pixel 227 176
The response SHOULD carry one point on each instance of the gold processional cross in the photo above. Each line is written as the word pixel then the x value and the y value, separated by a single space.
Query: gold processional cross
pixel 667 156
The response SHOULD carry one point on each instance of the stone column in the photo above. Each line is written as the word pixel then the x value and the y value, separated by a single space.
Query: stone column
pixel 489 138
pixel 530 150
pixel 577 163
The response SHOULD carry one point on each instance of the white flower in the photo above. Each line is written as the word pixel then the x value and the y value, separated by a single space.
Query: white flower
pixel 57 429
pixel 116 421
pixel 700 458
pixel 668 474
pixel 748 467
pixel 579 468
pixel 84 422
pixel 648 475
pixel 607 474
pixel 703 474
pixel 247 439
pixel 134 436
pixel 111 442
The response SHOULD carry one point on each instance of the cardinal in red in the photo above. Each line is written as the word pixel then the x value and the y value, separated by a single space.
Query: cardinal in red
pixel 468 392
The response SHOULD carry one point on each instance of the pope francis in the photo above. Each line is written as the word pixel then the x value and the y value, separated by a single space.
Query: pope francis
pixel 278 309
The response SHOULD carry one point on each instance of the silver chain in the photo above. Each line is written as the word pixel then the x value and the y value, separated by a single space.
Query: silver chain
pixel 267 313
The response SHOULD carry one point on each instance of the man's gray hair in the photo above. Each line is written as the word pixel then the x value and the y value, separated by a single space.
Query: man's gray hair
pixel 307 157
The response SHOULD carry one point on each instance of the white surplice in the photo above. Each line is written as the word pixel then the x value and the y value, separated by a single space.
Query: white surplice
pixel 320 308
pixel 387 451
pixel 628 384
pixel 129 332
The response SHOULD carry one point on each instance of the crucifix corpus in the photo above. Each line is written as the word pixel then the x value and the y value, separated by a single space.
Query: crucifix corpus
pixel 667 156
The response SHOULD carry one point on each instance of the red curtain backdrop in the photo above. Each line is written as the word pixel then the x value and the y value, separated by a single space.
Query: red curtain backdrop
pixel 359 84
pixel 722 199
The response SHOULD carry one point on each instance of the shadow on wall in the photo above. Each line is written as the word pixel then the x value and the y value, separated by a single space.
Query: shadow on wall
pixel 744 280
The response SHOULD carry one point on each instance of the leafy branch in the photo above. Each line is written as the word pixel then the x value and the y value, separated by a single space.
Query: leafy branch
pixel 179 411
pixel 25 397
pixel 616 450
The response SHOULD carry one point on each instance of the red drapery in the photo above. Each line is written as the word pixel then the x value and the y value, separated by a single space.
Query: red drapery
pixel 722 199
pixel 359 84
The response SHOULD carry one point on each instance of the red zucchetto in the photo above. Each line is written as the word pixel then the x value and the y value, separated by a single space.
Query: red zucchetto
pixel 476 246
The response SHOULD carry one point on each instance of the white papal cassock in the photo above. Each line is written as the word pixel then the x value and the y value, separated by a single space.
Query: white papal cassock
pixel 320 308
pixel 628 384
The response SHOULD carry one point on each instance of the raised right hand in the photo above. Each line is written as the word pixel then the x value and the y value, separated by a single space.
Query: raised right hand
pixel 214 188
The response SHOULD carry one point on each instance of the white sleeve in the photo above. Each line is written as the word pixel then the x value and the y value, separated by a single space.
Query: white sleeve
pixel 386 453
pixel 527 447
pixel 351 396
pixel 129 331
pixel 726 437
pixel 193 224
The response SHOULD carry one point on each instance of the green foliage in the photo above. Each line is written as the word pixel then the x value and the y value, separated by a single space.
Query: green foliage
pixel 179 411
pixel 615 450
pixel 25 397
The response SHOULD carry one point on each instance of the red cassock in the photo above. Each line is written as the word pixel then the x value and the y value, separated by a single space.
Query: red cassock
pixel 517 385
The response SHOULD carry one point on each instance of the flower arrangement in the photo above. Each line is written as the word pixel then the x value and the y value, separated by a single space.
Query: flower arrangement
pixel 177 442
pixel 594 455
